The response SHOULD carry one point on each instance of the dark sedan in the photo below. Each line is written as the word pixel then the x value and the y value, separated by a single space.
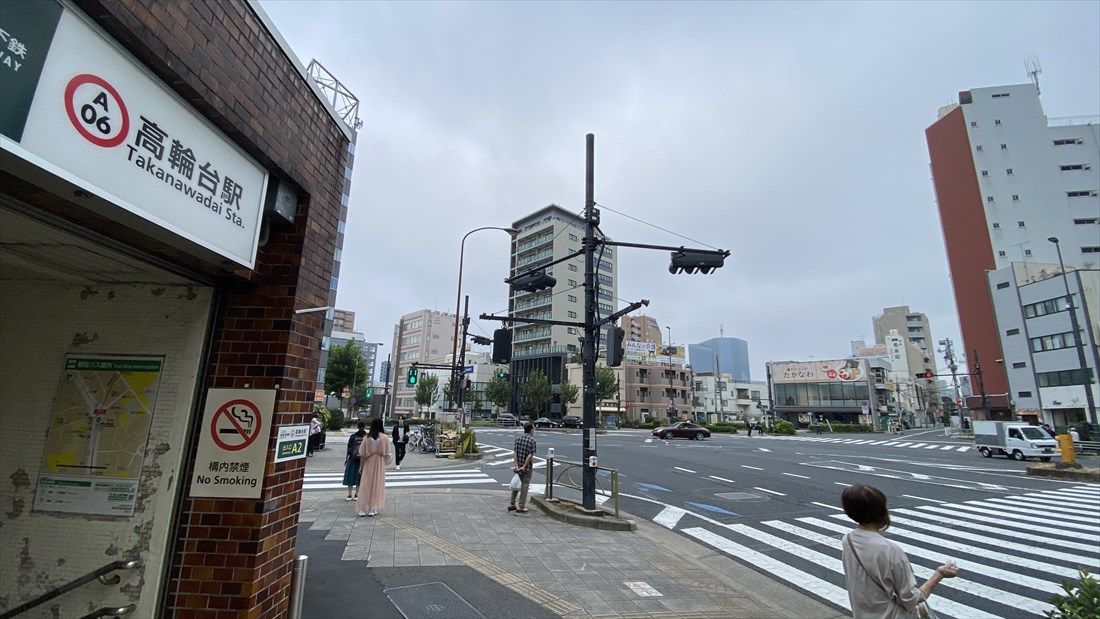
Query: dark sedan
pixel 545 422
pixel 684 429
pixel 571 422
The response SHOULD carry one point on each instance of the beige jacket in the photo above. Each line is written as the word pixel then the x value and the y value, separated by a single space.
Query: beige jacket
pixel 887 588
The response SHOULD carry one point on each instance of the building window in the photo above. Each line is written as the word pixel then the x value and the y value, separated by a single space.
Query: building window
pixel 572 267
pixel 978 148
pixel 985 172
pixel 1092 249
pixel 1056 341
pixel 996 226
pixel 1085 221
pixel 572 237
pixel 1064 378
pixel 572 298
pixel 1001 253
pixel 571 330
pixel 973 123
pixel 1079 194
pixel 1009 171
pixel 573 283
pixel 1075 166
pixel 1020 224
pixel 1068 141
pixel 606 309
pixel 1019 364
pixel 997 121
pixel 1015 197
pixel 1001 95
pixel 1004 146
pixel 1027 252
pixel 1023 394
pixel 1050 306
pixel 1003 285
pixel 572 314
pixel 1012 332
pixel 989 198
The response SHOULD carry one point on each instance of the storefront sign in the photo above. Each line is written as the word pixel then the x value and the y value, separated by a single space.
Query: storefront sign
pixel 291 442
pixel 232 450
pixel 98 433
pixel 844 370
pixel 99 120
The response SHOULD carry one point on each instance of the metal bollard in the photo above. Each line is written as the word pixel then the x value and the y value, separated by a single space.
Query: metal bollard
pixel 298 586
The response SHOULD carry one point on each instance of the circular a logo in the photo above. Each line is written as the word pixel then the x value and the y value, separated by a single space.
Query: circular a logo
pixel 96 110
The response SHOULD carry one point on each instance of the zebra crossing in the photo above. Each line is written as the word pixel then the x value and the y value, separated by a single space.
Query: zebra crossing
pixel 1014 552
pixel 333 480
pixel 499 456
pixel 884 443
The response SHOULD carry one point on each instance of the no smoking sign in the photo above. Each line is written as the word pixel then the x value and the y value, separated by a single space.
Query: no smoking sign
pixel 233 449
pixel 236 425
pixel 96 110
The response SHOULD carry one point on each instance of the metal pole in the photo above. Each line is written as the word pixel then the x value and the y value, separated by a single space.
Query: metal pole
pixel 671 397
pixel 461 363
pixel 981 385
pixel 1086 376
pixel 718 386
pixel 591 329
pixel 298 587
pixel 386 389
pixel 458 301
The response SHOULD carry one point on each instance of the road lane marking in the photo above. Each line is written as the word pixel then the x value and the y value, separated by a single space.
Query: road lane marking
pixel 793 475
pixel 903 444
pixel 1058 506
pixel 969 566
pixel 769 491
pixel 721 479
pixel 964 448
pixel 795 577
pixel 679 468
pixel 920 498
pixel 755 468
pixel 826 505
pixel 652 487
pixel 712 508
pixel 1037 510
pixel 890 443
pixel 669 517
pixel 980 590
pixel 763 449
pixel 840 483
pixel 1064 498
pixel 917 445
pixel 1011 519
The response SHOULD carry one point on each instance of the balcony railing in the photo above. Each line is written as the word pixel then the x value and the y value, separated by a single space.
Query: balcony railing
pixel 532 335
pixel 542 255
pixel 530 303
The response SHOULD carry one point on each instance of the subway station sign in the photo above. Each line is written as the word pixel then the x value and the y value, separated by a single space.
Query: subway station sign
pixel 76 104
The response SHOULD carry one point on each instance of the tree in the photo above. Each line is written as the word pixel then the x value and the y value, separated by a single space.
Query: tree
pixel 347 367
pixel 535 394
pixel 568 392
pixel 449 393
pixel 426 389
pixel 607 383
pixel 498 391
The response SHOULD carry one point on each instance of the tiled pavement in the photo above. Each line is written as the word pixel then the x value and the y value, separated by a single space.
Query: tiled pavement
pixel 568 570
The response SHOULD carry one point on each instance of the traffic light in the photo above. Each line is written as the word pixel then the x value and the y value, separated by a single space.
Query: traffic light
pixel 688 261
pixel 482 341
pixel 615 337
pixel 502 374
pixel 534 282
pixel 370 393
pixel 927 374
pixel 411 377
pixel 502 346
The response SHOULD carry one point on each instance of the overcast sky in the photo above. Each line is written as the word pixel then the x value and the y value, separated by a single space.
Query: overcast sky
pixel 791 134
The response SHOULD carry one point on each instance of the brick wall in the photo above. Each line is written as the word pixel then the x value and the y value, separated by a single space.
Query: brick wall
pixel 234 557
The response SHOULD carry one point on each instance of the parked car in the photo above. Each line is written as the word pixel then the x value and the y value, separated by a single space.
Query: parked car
pixel 507 420
pixel 571 422
pixel 545 422
pixel 1018 441
pixel 684 429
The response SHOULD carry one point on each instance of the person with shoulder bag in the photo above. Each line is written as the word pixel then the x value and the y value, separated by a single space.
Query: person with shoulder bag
pixel 351 463
pixel 881 583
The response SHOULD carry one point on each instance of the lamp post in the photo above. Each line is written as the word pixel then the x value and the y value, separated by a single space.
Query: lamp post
pixel 512 232
pixel 671 393
pixel 1086 376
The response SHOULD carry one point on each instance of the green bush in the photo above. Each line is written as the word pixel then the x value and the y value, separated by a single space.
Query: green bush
pixel 849 427
pixel 335 419
pixel 784 427
pixel 1081 601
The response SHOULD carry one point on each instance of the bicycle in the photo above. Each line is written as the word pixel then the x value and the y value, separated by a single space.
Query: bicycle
pixel 424 439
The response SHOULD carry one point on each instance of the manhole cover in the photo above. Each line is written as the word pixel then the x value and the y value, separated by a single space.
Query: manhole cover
pixel 431 600
pixel 741 496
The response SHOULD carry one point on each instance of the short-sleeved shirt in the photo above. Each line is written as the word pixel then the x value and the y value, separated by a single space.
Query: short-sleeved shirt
pixel 525 446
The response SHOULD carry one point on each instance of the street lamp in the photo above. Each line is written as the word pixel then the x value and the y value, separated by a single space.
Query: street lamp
pixel 1086 376
pixel 512 232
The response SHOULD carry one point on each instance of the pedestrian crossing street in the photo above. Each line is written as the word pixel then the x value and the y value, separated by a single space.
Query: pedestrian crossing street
pixel 884 443
pixel 1013 552
pixel 403 479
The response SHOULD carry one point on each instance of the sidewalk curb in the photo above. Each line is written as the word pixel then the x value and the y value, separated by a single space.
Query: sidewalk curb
pixel 1087 475
pixel 605 523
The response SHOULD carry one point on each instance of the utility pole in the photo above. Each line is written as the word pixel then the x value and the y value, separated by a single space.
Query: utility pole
pixel 671 392
pixel 386 389
pixel 981 385
pixel 459 376
pixel 591 330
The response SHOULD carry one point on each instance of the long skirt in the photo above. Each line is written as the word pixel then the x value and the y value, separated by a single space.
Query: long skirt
pixel 372 484
pixel 351 472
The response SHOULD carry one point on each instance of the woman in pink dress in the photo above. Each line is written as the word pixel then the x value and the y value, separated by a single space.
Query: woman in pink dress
pixel 374 454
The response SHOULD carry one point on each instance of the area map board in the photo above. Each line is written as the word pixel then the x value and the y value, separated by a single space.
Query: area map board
pixel 98 433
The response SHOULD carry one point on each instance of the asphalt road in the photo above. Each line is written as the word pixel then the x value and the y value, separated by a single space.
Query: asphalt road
pixel 773 503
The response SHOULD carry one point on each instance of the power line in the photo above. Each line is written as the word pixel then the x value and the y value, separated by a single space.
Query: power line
pixel 642 221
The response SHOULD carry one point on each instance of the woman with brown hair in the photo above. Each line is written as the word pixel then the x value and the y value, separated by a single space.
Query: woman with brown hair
pixel 881 584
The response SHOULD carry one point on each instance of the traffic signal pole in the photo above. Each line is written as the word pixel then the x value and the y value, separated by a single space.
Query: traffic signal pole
pixel 591 331
pixel 460 364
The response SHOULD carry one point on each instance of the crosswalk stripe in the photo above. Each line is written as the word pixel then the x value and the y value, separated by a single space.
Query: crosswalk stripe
pixel 891 443
pixel 942 603
pixel 1085 489
pixel 902 444
pixel 1063 519
pixel 992 555
pixel 916 445
pixel 877 442
pixel 403 477
pixel 961 523
pixel 1008 520
pixel 933 447
pixel 404 484
pixel 669 516
pixel 972 566
pixel 996 541
pixel 946 447
pixel 1068 500
pixel 1079 493
pixel 1058 506
pixel 796 577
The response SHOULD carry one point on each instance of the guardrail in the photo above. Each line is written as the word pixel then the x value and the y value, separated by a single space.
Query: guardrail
pixel 100 574
pixel 1088 446
pixel 568 469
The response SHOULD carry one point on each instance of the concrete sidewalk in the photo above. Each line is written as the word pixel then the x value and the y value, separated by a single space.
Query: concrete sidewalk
pixel 459 549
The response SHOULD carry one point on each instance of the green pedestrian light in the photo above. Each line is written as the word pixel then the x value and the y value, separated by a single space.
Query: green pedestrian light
pixel 410 378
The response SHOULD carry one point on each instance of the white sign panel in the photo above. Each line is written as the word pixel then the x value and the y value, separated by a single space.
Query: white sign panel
pixel 232 450
pixel 291 444
pixel 107 125
pixel 844 370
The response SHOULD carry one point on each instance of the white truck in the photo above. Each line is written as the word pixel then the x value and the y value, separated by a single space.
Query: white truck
pixel 1015 440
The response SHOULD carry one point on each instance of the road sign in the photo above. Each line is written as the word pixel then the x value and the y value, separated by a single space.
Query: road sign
pixel 291 443
pixel 469 369
pixel 865 407
pixel 232 450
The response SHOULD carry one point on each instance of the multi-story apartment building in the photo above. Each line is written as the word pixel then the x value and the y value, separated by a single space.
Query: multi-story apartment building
pixel 343 320
pixel 740 400
pixel 648 389
pixel 911 349
pixel 1045 374
pixel 913 326
pixel 425 336
pixel 1006 178
pixel 730 353
pixel 642 329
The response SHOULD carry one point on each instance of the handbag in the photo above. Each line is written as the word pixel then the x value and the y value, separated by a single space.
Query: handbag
pixel 924 611
pixel 516 483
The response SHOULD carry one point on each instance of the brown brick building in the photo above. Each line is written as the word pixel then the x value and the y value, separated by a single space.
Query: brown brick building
pixel 172 193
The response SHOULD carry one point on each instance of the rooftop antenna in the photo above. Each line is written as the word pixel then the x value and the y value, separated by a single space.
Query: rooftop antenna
pixel 1031 65
pixel 721 329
